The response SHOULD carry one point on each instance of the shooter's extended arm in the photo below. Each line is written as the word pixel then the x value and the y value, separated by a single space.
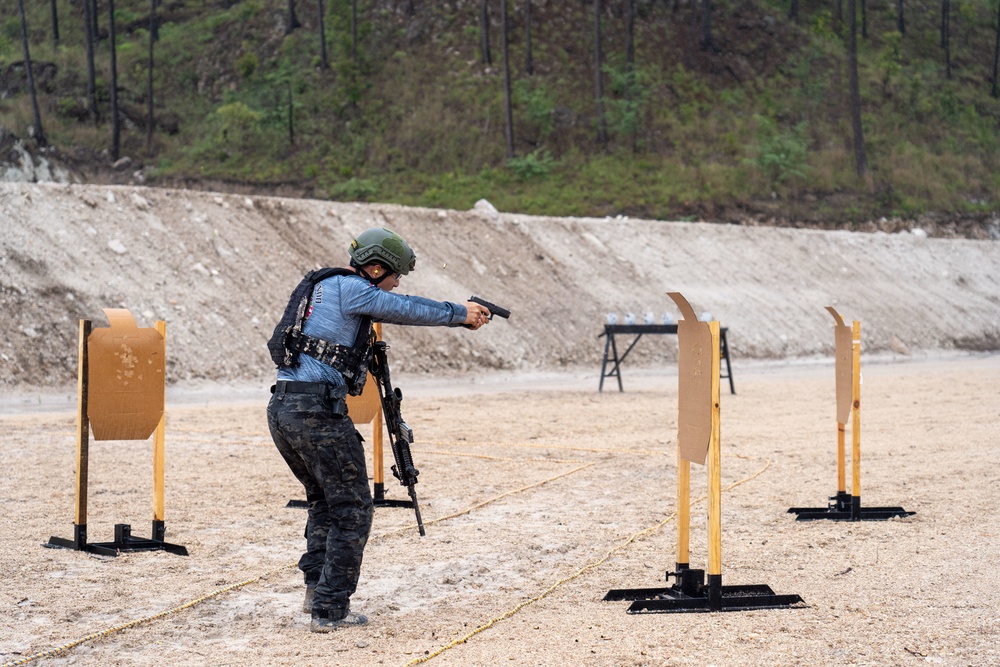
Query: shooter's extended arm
pixel 400 435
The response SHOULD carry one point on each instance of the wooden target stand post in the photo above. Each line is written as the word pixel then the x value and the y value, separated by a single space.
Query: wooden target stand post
pixel 697 439
pixel 365 409
pixel 120 386
pixel 846 506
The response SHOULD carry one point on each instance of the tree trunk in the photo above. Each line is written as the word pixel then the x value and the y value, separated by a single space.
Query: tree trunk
pixel 793 11
pixel 508 113
pixel 996 55
pixel 354 29
pixel 291 116
pixel 943 29
pixel 529 58
pixel 91 74
pixel 115 120
pixel 95 27
pixel 602 125
pixel 55 24
pixel 864 19
pixel 149 81
pixel 900 22
pixel 630 34
pixel 860 160
pixel 293 19
pixel 484 32
pixel 323 62
pixel 946 36
pixel 706 25
pixel 39 134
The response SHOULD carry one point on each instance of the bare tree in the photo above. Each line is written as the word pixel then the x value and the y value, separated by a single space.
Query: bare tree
pixel 630 34
pixel 115 118
pixel 149 81
pixel 484 32
pixel 706 25
pixel 946 36
pixel 508 113
pixel 37 131
pixel 860 159
pixel 529 57
pixel 354 29
pixel 55 24
pixel 91 74
pixel 293 19
pixel 793 10
pixel 291 116
pixel 602 123
pixel 323 62
pixel 95 28
pixel 996 55
pixel 900 22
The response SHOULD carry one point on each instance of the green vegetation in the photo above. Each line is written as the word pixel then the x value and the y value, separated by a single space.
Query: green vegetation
pixel 756 125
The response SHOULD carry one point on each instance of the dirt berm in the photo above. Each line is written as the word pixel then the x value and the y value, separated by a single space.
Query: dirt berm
pixel 218 269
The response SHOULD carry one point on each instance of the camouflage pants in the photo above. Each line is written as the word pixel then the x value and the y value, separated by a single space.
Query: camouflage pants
pixel 324 451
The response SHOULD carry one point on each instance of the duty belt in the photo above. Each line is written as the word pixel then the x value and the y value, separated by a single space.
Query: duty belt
pixel 291 387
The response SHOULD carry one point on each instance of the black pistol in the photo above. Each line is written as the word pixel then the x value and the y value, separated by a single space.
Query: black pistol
pixel 492 307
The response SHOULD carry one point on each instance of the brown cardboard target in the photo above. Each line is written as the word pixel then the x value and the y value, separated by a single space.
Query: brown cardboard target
pixel 363 408
pixel 844 351
pixel 126 369
pixel 694 378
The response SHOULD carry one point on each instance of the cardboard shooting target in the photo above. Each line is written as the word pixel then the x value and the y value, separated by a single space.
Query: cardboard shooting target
pixel 694 376
pixel 126 378
pixel 844 366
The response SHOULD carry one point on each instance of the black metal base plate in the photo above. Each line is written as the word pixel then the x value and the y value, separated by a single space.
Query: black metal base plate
pixel 298 504
pixel 832 514
pixel 671 600
pixel 135 544
pixel 387 502
pixel 123 542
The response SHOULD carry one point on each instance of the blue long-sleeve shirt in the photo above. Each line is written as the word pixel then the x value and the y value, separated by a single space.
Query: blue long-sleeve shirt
pixel 338 305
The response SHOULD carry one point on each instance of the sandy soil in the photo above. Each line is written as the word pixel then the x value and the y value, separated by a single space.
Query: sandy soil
pixel 563 494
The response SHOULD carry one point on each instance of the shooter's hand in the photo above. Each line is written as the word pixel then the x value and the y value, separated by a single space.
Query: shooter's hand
pixel 476 315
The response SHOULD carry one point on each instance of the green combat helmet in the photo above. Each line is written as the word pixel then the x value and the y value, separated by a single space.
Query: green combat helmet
pixel 383 245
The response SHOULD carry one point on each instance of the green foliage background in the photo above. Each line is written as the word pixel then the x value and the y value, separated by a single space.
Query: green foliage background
pixel 756 125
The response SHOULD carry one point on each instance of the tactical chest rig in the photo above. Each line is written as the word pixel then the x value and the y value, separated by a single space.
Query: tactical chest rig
pixel 288 342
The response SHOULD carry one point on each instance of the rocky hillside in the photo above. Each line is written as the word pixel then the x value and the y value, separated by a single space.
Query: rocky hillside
pixel 218 269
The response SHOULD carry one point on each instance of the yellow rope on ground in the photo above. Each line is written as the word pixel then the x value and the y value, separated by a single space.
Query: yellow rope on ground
pixel 138 621
pixel 542 445
pixel 487 502
pixel 133 623
pixel 585 568
pixel 530 459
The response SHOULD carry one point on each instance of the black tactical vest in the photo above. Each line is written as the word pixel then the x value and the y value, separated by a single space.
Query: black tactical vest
pixel 288 341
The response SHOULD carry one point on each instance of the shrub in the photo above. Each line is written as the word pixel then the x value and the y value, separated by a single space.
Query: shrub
pixel 533 165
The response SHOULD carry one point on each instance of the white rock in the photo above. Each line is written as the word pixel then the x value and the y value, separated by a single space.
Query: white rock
pixel 117 246
pixel 483 206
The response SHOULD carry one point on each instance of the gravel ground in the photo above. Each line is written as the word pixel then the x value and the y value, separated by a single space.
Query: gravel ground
pixel 563 494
